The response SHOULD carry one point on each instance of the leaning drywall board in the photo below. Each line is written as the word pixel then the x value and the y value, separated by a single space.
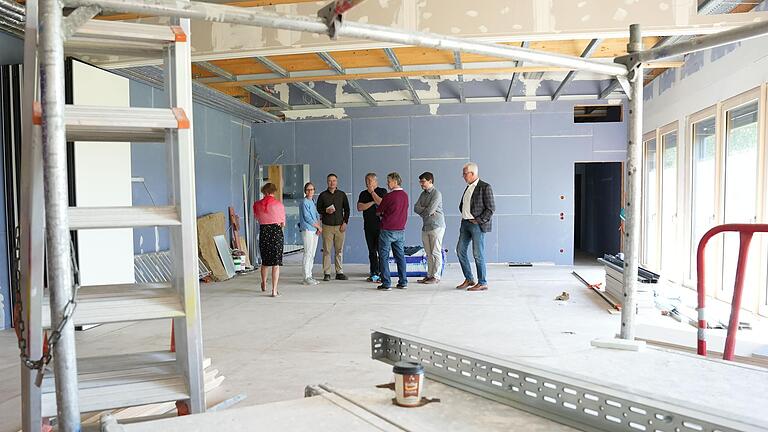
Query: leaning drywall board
pixel 102 179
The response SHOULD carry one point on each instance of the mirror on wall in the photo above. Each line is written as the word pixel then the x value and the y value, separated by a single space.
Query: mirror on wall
pixel 290 180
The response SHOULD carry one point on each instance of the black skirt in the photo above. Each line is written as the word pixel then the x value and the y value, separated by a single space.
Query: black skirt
pixel 271 245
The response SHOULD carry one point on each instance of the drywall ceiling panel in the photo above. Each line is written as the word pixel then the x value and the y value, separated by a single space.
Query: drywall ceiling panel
pixel 495 20
pixel 440 137
pixel 501 146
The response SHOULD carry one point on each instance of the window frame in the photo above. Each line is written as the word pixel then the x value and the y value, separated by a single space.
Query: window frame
pixel 752 95
pixel 697 117
pixel 647 137
pixel 661 133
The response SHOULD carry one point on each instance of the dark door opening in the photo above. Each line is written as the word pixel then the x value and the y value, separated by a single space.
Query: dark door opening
pixel 597 204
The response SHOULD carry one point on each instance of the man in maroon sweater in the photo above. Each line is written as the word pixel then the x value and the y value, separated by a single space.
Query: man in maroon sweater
pixel 393 210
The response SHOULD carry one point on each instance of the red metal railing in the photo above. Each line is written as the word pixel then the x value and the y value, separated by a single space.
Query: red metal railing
pixel 746 231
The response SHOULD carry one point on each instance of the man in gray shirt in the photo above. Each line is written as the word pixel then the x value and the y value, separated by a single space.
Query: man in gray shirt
pixel 430 207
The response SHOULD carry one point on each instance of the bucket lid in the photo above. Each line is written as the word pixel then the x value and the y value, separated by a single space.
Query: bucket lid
pixel 408 368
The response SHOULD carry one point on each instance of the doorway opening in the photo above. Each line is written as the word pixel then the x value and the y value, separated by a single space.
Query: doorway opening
pixel 597 204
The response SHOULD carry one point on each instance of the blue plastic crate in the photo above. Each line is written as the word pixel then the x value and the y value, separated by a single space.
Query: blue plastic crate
pixel 415 262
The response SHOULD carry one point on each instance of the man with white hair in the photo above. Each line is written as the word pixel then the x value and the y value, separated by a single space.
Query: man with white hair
pixel 476 208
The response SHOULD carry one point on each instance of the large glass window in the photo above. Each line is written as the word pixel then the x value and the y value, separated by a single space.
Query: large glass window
pixel 650 211
pixel 740 193
pixel 703 183
pixel 668 250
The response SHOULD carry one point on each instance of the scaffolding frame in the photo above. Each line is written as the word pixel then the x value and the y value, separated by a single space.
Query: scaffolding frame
pixel 627 70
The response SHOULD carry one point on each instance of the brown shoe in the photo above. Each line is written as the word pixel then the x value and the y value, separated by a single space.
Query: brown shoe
pixel 478 287
pixel 465 284
pixel 432 281
pixel 423 280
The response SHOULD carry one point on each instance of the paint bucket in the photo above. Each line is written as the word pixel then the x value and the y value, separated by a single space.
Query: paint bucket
pixel 409 382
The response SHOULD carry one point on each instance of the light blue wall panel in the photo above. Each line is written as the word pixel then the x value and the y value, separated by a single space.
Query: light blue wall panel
pixel 272 139
pixel 513 205
pixel 217 133
pixel 448 181
pixel 536 238
pixel 557 124
pixel 378 131
pixel 380 160
pixel 355 249
pixel 439 136
pixel 325 145
pixel 501 146
pixel 609 136
pixel 553 172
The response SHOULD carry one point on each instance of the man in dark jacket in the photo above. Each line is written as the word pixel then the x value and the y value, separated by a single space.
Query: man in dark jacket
pixel 476 208
pixel 367 203
pixel 333 207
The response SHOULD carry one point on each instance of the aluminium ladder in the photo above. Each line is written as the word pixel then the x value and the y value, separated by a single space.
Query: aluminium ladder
pixel 111 381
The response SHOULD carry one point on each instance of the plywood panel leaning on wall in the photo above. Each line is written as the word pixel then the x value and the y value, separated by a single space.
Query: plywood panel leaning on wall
pixel 208 227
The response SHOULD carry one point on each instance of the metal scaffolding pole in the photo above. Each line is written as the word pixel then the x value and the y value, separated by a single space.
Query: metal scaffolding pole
pixel 51 53
pixel 633 195
pixel 702 43
pixel 235 15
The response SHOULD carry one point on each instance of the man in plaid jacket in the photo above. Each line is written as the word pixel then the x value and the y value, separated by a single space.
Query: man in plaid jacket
pixel 476 208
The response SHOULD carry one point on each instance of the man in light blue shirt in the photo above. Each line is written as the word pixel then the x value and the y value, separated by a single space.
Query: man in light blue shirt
pixel 309 224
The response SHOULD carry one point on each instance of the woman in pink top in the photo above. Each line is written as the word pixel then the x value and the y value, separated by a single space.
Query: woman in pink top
pixel 270 213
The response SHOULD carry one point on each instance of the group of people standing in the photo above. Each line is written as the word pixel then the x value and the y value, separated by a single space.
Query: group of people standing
pixel 385 214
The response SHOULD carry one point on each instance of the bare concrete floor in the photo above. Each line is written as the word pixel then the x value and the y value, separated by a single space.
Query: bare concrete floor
pixel 271 348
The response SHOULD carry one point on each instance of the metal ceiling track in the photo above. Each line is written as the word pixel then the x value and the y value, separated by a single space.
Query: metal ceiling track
pixel 585 405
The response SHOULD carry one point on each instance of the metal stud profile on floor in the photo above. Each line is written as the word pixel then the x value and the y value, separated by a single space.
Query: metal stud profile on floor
pixel 585 405
pixel 78 385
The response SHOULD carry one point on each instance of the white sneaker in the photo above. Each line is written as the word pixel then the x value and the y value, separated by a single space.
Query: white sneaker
pixel 313 281
pixel 308 281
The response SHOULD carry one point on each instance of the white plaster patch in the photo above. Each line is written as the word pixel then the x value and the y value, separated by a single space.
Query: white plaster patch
pixel 426 15
pixel 663 6
pixel 342 97
pixel 483 29
pixel 455 30
pixel 530 86
pixel 581 4
pixel 586 18
pixel 517 26
pixel 472 13
pixel 283 91
pixel 363 19
pixel 433 108
pixel 620 14
pixel 384 3
pixel 505 10
pixel 337 113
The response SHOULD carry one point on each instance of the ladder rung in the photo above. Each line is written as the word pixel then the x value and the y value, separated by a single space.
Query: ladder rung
pixel 121 381
pixel 128 124
pixel 95 123
pixel 102 304
pixel 130 32
pixel 122 217
pixel 113 38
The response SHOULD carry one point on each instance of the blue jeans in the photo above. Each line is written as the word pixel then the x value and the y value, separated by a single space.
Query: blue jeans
pixel 470 232
pixel 394 240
